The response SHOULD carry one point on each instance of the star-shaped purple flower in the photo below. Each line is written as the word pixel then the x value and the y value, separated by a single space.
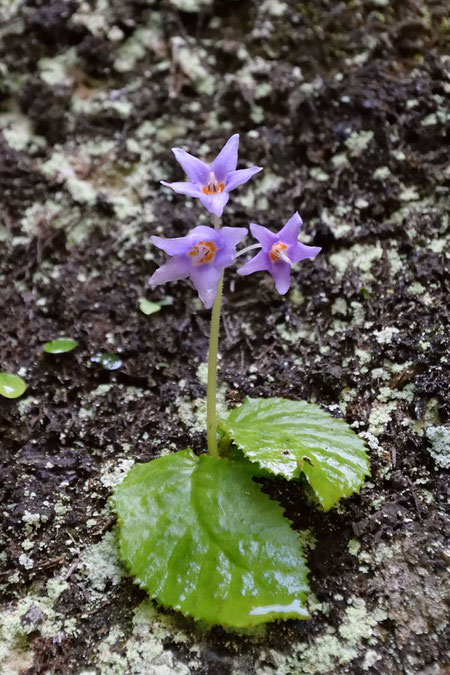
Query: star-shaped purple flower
pixel 279 251
pixel 201 255
pixel 213 183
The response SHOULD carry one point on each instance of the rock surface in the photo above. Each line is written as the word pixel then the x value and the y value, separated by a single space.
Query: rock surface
pixel 345 104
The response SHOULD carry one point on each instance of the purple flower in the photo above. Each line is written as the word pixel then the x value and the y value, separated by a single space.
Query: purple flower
pixel 212 183
pixel 279 252
pixel 201 255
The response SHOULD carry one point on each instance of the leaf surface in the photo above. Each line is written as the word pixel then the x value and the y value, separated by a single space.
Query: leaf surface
pixel 60 346
pixel 11 386
pixel 147 307
pixel 199 535
pixel 290 437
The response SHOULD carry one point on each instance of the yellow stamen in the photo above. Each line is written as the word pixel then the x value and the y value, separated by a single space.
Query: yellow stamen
pixel 277 252
pixel 203 252
pixel 213 187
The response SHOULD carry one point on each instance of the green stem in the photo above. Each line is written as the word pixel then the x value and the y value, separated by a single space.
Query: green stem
pixel 211 416
pixel 211 392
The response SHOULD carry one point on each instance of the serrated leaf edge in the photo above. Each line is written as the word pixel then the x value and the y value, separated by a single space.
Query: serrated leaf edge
pixel 296 474
pixel 186 614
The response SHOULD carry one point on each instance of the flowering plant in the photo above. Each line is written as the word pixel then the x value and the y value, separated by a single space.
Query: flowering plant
pixel 197 532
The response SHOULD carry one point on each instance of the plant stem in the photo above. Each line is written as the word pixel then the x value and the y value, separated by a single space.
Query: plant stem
pixel 247 248
pixel 211 415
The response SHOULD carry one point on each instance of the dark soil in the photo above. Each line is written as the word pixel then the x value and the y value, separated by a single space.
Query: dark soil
pixel 346 106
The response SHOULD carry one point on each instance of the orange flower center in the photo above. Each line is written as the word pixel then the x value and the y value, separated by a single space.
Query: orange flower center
pixel 213 187
pixel 277 252
pixel 203 252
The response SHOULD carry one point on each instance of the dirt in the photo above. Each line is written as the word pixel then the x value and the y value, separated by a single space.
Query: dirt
pixel 345 105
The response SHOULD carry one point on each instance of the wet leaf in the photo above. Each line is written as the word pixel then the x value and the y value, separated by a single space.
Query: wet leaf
pixel 290 437
pixel 107 361
pixel 148 307
pixel 60 346
pixel 199 535
pixel 11 386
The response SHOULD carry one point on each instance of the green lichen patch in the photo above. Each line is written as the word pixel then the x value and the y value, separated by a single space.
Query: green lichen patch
pixel 439 438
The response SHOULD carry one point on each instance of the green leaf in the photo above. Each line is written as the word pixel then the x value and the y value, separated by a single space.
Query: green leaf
pixel 11 386
pixel 202 538
pixel 291 437
pixel 148 307
pixel 107 361
pixel 60 346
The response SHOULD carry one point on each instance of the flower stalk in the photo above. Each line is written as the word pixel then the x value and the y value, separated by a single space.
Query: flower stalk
pixel 211 391
pixel 211 413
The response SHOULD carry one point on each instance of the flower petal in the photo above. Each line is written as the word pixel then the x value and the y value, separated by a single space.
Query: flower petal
pixel 215 203
pixel 260 262
pixel 281 272
pixel 205 279
pixel 177 268
pixel 184 188
pixel 265 237
pixel 289 233
pixel 227 239
pixel 233 235
pixel 196 170
pixel 173 245
pixel 226 160
pixel 202 232
pixel 240 177
pixel 301 252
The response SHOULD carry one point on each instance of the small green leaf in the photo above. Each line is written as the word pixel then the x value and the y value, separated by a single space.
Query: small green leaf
pixel 60 346
pixel 290 437
pixel 202 538
pixel 11 386
pixel 148 307
pixel 107 361
pixel 166 300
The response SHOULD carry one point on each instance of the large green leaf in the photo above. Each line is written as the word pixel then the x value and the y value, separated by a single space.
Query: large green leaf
pixel 199 535
pixel 290 437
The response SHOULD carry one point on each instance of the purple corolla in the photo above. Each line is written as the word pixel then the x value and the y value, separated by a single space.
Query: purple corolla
pixel 201 255
pixel 213 183
pixel 279 251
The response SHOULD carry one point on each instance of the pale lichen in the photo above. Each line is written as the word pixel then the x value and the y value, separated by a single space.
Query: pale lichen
pixel 101 566
pixel 33 613
pixel 439 437
pixel 144 652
